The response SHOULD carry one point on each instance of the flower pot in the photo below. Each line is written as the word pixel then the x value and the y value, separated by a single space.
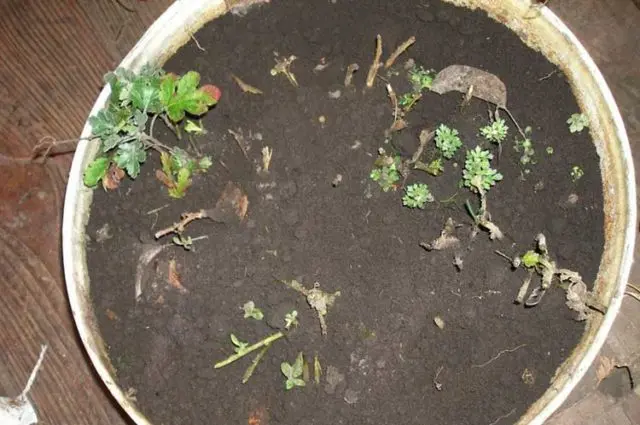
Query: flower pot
pixel 544 32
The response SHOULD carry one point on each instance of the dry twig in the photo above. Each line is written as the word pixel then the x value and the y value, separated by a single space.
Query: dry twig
pixel 399 50
pixel 373 70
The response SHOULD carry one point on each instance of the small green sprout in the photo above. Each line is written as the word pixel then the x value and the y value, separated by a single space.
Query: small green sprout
pixel 291 319
pixel 577 122
pixel 417 195
pixel 408 100
pixel 435 167
pixel 576 173
pixel 531 259
pixel 293 373
pixel 496 132
pixel 447 141
pixel 194 128
pixel 478 175
pixel 549 150
pixel 526 148
pixel 184 241
pixel 251 311
pixel 386 171
pixel 177 169
pixel 317 299
pixel 240 346
pixel 420 78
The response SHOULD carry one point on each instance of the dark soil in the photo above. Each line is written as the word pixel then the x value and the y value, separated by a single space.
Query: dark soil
pixel 354 238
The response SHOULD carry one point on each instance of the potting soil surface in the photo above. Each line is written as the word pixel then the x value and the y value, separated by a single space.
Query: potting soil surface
pixel 384 360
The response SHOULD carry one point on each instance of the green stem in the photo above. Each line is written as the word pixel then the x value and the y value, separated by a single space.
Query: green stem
pixel 254 364
pixel 470 210
pixel 266 341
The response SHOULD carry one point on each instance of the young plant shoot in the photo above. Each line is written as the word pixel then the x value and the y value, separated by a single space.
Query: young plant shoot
pixel 293 373
pixel 386 171
pixel 420 78
pixel 251 311
pixel 577 122
pixel 417 195
pixel 496 132
pixel 447 141
pixel 479 177
pixel 576 173
pixel 291 319
pixel 121 126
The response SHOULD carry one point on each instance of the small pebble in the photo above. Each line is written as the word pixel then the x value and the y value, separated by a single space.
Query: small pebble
pixel 335 94
pixel 337 180
pixel 322 119
pixel 439 322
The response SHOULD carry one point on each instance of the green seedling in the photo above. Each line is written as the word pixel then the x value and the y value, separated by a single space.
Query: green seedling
pixel 417 195
pixel 538 261
pixel 293 373
pixel 525 147
pixel 447 141
pixel 177 169
pixel 193 127
pixel 317 299
pixel 576 173
pixel 420 78
pixel 577 122
pixel 496 132
pixel 291 319
pixel 121 126
pixel 240 346
pixel 479 177
pixel 184 241
pixel 251 311
pixel 408 100
pixel 386 171
pixel 549 150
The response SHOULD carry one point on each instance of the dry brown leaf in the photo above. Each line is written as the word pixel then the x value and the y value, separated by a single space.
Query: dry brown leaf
pixel 233 203
pixel 605 367
pixel 174 277
pixel 461 78
pixel 111 315
pixel 246 88
pixel 166 180
pixel 111 180
pixel 259 416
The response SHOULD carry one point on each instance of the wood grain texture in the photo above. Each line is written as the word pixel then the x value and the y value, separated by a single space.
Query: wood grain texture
pixel 54 55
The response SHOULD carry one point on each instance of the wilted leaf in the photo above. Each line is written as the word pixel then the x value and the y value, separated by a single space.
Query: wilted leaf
pixel 166 180
pixel 95 171
pixel 486 86
pixel 112 178
pixel 605 367
pixel 174 277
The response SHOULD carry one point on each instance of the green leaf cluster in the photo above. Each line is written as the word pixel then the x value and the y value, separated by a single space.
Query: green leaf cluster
pixel 386 171
pixel 420 78
pixel 577 122
pixel 447 141
pixel 121 125
pixel 178 167
pixel 495 132
pixel 251 311
pixel 293 373
pixel 417 195
pixel 478 175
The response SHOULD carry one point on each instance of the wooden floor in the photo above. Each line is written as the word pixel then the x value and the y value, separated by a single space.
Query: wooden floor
pixel 53 55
